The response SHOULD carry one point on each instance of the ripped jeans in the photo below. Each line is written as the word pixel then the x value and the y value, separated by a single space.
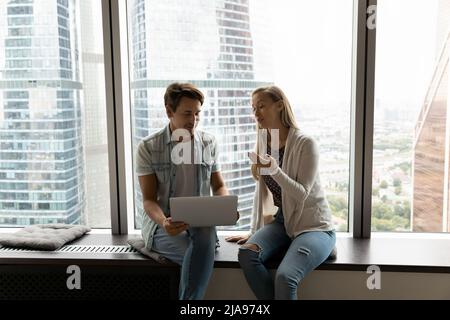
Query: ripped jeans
pixel 306 252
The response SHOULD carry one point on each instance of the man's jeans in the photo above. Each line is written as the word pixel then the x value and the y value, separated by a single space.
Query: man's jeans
pixel 304 254
pixel 194 251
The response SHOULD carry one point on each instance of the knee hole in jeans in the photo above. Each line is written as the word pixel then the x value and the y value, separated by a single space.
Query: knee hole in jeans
pixel 251 246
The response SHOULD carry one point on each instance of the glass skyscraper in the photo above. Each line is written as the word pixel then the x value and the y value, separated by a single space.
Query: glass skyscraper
pixel 41 143
pixel 210 44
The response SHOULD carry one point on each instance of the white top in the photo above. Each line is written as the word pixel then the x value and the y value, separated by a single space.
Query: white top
pixel 186 176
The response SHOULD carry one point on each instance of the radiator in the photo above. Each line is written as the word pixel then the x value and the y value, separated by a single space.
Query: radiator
pixel 49 282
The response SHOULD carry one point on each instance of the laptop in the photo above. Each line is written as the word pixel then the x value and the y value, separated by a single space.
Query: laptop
pixel 205 211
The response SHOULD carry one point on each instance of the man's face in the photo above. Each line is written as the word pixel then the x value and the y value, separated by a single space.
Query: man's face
pixel 187 115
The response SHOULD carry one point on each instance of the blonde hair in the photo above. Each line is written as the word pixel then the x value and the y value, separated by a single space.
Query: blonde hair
pixel 286 116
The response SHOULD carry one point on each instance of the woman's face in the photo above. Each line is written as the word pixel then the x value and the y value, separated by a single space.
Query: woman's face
pixel 266 111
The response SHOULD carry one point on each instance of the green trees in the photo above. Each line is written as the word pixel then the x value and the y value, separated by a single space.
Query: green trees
pixel 339 208
pixel 391 217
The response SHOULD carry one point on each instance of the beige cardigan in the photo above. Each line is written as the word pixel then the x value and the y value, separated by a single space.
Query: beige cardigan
pixel 305 207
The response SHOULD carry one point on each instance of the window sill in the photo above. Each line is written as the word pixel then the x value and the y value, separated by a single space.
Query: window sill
pixel 395 254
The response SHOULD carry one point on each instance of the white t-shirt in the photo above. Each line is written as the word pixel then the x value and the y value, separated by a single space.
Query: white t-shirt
pixel 186 177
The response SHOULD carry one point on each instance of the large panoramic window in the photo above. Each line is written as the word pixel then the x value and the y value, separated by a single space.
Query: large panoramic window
pixel 412 125
pixel 229 48
pixel 53 140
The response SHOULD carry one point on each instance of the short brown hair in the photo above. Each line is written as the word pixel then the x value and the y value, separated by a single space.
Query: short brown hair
pixel 176 91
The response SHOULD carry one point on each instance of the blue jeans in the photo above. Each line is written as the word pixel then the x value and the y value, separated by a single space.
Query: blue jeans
pixel 194 251
pixel 304 253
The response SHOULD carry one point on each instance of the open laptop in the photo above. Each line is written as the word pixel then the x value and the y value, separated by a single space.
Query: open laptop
pixel 205 211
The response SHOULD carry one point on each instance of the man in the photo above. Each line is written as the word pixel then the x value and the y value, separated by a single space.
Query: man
pixel 164 173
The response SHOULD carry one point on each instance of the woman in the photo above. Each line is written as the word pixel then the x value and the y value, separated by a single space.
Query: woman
pixel 302 223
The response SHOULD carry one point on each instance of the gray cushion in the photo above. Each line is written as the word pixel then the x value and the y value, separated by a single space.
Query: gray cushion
pixel 43 236
pixel 139 245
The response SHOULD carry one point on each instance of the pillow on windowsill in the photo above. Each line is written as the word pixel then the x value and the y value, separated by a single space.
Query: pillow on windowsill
pixel 139 245
pixel 43 236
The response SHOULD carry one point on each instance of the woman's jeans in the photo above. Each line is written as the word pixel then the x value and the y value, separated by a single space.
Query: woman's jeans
pixel 194 251
pixel 306 252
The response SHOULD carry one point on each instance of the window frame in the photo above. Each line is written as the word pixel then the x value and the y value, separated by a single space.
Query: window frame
pixel 362 121
pixel 117 104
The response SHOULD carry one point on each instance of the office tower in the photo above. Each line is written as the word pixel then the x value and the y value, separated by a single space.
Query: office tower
pixel 41 150
pixel 210 44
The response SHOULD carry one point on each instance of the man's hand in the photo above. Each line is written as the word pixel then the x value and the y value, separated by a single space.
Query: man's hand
pixel 174 227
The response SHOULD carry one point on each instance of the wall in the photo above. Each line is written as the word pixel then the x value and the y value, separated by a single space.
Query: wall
pixel 230 284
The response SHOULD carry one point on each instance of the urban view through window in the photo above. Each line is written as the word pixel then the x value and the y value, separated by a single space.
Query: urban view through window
pixel 53 139
pixel 53 142
pixel 410 189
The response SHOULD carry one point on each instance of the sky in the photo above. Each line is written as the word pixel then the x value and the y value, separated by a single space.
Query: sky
pixel 311 47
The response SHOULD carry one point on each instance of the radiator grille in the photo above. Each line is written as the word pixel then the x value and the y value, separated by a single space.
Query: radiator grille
pixel 80 249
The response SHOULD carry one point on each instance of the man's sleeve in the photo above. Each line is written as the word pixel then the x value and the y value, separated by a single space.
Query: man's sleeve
pixel 143 160
pixel 215 163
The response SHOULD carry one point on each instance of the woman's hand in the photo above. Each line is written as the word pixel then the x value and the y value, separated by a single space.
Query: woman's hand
pixel 238 239
pixel 174 227
pixel 273 165
pixel 270 165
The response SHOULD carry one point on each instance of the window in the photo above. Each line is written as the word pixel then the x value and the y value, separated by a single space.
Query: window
pixel 412 125
pixel 228 50
pixel 53 119
pixel 53 140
